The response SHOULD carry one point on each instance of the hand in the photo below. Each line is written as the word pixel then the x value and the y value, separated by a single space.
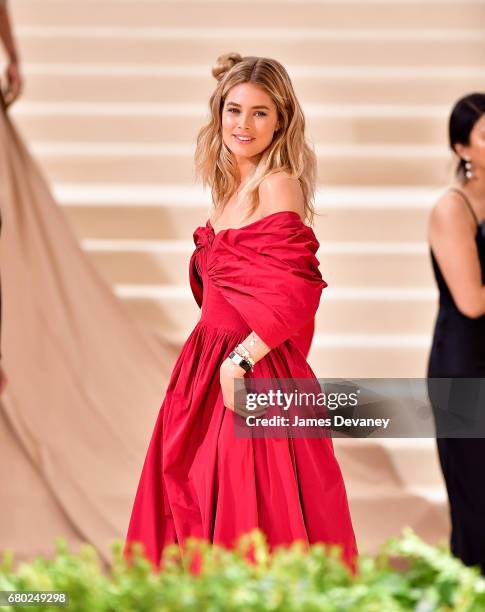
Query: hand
pixel 3 380
pixel 228 372
pixel 14 83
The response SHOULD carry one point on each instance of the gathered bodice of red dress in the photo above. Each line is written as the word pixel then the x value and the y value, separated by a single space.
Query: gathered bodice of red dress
pixel 263 276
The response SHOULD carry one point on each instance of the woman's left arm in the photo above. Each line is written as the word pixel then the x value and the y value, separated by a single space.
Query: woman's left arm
pixel 230 370
pixel 277 192
pixel 12 73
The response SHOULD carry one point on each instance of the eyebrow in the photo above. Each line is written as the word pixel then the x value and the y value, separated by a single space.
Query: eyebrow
pixel 258 106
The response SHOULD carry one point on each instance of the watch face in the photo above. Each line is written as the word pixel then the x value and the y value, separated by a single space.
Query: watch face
pixel 240 361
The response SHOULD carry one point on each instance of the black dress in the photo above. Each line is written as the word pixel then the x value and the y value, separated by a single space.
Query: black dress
pixel 458 351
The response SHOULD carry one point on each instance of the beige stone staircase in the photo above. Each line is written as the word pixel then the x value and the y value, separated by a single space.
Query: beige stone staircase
pixel 117 89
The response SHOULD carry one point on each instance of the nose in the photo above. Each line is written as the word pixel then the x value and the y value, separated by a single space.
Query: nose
pixel 243 122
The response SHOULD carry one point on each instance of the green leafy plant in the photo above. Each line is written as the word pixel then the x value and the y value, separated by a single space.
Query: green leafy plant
pixel 407 574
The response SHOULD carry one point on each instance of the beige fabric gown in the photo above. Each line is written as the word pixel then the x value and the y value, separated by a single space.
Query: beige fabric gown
pixel 85 383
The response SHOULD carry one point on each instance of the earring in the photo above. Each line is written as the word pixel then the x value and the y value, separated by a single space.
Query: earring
pixel 468 169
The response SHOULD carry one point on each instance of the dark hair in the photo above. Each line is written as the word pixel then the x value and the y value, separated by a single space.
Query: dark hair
pixel 466 112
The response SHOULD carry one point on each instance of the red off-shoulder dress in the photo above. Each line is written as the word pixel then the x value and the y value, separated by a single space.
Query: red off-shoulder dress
pixel 198 478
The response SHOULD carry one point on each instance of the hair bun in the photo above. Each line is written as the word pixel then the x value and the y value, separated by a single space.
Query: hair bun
pixel 224 63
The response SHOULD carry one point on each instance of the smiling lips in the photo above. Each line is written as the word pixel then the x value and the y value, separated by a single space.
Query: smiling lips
pixel 243 139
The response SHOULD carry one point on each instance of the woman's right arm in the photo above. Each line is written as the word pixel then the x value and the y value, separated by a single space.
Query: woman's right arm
pixel 451 234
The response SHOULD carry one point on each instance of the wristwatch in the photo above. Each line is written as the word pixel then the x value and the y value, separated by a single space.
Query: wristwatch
pixel 240 361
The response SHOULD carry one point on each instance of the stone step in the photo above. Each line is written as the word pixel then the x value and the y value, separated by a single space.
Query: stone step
pixel 172 311
pixel 335 14
pixel 365 165
pixel 402 475
pixel 174 222
pixel 398 360
pixel 118 122
pixel 358 355
pixel 176 84
pixel 410 463
pixel 412 47
pixel 354 264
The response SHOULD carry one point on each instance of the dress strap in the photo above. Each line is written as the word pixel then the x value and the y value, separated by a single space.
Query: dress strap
pixel 467 201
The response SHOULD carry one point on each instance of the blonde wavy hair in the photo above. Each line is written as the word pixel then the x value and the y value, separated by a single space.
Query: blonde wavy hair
pixel 289 150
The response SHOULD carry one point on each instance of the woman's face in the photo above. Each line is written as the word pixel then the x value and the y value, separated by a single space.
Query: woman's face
pixel 249 120
pixel 475 151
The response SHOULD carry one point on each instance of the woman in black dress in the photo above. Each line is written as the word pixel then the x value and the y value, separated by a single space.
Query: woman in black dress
pixel 456 236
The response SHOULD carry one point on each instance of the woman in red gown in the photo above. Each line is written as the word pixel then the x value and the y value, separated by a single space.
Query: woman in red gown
pixel 255 275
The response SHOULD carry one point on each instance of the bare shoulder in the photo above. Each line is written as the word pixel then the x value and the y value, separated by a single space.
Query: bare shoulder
pixel 451 213
pixel 279 192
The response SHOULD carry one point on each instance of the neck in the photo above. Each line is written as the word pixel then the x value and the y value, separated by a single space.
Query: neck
pixel 475 186
pixel 245 168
